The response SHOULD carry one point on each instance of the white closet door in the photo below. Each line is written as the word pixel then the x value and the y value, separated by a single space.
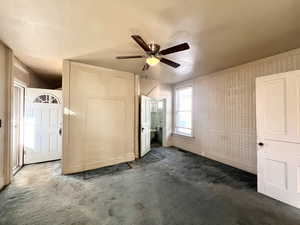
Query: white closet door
pixel 278 130
pixel 43 125
pixel 99 117
pixel 145 125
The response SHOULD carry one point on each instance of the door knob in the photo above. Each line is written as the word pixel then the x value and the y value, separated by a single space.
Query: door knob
pixel 261 144
pixel 59 131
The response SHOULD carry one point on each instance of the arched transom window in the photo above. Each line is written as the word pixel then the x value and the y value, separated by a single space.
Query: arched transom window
pixel 46 98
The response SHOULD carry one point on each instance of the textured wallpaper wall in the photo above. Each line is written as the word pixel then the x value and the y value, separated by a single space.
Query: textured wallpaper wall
pixel 224 111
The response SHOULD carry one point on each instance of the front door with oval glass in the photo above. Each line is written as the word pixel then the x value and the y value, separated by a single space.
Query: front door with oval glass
pixel 43 125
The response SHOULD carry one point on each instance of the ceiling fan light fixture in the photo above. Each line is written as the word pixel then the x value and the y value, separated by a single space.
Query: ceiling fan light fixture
pixel 152 60
pixel 153 55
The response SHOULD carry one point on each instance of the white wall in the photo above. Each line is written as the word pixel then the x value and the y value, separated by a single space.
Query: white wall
pixel 155 90
pixel 24 74
pixel 3 108
pixel 224 111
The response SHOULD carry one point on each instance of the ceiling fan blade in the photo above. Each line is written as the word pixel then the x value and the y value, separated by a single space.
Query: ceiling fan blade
pixel 141 42
pixel 176 48
pixel 169 62
pixel 146 67
pixel 131 57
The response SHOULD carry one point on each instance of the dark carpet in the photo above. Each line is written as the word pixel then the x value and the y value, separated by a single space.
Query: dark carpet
pixel 166 187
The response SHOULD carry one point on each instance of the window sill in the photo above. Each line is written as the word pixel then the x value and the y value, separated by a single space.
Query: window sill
pixel 183 135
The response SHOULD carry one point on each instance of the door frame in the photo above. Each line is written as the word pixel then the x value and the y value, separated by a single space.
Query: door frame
pixel 164 133
pixel 22 85
pixel 164 128
pixel 31 95
pixel 7 164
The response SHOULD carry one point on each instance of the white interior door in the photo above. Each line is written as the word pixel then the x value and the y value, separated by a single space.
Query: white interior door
pixel 278 136
pixel 145 125
pixel 99 117
pixel 43 125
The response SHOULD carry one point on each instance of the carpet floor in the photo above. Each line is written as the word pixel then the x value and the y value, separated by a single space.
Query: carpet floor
pixel 166 187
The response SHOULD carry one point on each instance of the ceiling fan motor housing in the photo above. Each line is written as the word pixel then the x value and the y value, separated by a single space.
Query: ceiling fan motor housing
pixel 154 49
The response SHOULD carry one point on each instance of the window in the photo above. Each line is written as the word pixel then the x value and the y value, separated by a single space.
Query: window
pixel 47 98
pixel 183 110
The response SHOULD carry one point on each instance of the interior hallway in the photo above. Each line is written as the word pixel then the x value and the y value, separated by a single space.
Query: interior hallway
pixel 167 186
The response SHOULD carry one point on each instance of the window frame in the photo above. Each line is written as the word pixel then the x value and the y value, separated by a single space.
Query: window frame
pixel 176 89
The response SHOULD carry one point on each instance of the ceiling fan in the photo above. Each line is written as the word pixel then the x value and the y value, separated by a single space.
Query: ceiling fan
pixel 153 54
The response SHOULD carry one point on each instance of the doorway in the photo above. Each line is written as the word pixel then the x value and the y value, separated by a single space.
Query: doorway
pixel 18 127
pixel 153 124
pixel 43 125
pixel 157 123
pixel 36 126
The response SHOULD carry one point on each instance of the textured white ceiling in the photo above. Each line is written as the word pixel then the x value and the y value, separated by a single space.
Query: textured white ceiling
pixel 221 33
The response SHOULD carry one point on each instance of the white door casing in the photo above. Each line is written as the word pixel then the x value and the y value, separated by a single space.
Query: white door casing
pixel 43 125
pixel 18 126
pixel 278 136
pixel 145 125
